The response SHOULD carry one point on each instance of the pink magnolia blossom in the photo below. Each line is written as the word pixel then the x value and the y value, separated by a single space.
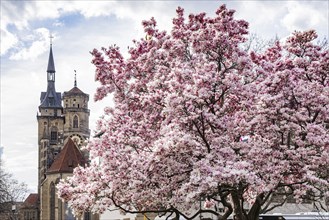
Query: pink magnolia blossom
pixel 183 103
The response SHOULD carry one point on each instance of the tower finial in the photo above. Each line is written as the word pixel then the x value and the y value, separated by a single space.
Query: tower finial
pixel 51 39
pixel 75 78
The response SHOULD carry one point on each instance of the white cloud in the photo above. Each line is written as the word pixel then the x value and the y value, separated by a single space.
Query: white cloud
pixel 39 45
pixel 18 122
pixel 8 40
pixel 35 11
pixel 263 17
pixel 253 11
pixel 302 17
pixel 58 23
pixel 94 9
pixel 9 14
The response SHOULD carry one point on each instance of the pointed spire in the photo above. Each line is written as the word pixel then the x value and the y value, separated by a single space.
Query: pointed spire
pixel 51 64
pixel 75 78
pixel 51 98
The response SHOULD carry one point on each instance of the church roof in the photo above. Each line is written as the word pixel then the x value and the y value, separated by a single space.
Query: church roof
pixel 51 64
pixel 31 201
pixel 51 98
pixel 69 158
pixel 76 90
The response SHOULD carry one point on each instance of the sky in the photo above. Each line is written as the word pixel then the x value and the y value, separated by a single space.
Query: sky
pixel 80 26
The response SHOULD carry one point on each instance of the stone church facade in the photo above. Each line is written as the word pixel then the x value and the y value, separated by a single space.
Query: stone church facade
pixel 63 127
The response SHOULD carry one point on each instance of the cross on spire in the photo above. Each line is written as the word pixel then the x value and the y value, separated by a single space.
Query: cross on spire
pixel 51 38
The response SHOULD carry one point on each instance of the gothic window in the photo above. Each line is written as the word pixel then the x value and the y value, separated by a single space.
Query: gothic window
pixel 52 201
pixel 53 134
pixel 75 121
pixel 68 213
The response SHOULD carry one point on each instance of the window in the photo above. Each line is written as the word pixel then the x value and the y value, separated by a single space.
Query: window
pixel 68 213
pixel 53 134
pixel 51 76
pixel 52 201
pixel 75 121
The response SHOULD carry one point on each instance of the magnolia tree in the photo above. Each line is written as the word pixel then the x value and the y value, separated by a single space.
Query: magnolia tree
pixel 197 119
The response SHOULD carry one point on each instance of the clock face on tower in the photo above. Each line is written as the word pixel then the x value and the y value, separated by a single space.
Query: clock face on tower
pixel 77 139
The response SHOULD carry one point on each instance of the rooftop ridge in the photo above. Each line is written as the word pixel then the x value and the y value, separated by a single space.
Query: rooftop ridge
pixel 69 158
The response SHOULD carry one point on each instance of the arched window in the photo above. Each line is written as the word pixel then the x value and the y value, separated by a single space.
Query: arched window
pixel 68 212
pixel 53 134
pixel 75 121
pixel 52 201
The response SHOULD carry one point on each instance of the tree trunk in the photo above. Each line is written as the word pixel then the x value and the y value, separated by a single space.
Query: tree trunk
pixel 237 209
pixel 254 211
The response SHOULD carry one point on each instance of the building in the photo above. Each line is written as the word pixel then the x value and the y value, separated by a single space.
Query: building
pixel 57 123
pixel 29 208
pixel 63 126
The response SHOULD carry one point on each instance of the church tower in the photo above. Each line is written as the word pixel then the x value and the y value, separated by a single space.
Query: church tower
pixel 63 126
pixel 50 122
pixel 76 114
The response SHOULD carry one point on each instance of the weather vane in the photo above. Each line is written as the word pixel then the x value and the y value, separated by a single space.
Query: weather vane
pixel 75 78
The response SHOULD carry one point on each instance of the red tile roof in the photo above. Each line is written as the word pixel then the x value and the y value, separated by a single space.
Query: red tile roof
pixel 69 158
pixel 31 201
pixel 75 90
